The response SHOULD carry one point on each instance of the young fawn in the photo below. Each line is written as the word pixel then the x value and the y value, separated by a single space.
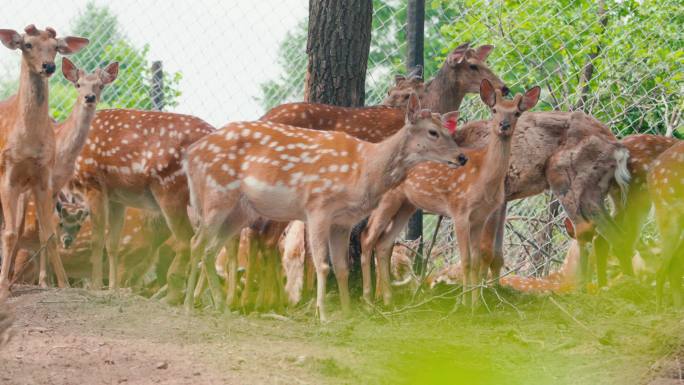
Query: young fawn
pixel 328 179
pixel 469 195
pixel 27 143
pixel 666 187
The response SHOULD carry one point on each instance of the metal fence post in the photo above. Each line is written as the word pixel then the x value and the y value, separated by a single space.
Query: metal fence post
pixel 415 34
pixel 157 89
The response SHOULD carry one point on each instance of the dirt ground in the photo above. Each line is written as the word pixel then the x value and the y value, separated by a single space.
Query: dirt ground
pixel 76 336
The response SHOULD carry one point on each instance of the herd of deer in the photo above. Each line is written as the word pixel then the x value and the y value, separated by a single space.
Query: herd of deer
pixel 133 182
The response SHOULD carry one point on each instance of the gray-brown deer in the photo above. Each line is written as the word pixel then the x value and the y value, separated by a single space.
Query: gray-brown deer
pixel 328 179
pixel 27 142
pixel 469 195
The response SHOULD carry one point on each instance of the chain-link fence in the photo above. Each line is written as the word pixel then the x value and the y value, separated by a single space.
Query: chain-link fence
pixel 620 61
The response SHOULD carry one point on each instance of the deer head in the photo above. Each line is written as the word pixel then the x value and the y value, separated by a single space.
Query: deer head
pixel 431 135
pixel 39 48
pixel 467 68
pixel 505 113
pixel 72 214
pixel 89 86
pixel 398 95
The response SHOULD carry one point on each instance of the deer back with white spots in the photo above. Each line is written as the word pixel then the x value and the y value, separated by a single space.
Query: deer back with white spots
pixel 328 179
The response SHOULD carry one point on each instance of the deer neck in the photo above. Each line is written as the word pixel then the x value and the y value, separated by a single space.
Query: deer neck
pixel 442 94
pixel 70 139
pixel 33 104
pixel 494 165
pixel 386 164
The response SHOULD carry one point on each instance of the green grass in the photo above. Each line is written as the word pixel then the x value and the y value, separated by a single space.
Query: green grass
pixel 613 337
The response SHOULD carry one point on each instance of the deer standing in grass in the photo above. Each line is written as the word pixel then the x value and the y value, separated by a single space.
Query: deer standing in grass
pixel 133 158
pixel 328 179
pixel 631 210
pixel 27 142
pixel 461 73
pixel 666 187
pixel 469 195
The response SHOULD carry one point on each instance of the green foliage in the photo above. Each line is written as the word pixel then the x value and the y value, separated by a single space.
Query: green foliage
pixel 108 43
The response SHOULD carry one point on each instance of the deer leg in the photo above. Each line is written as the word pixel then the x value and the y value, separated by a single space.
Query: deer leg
pixel 601 254
pixel 9 197
pixel 251 249
pixel 45 207
pixel 462 230
pixel 378 222
pixel 339 242
pixel 116 218
pixel 173 202
pixel 97 204
pixel 479 267
pixel 232 248
pixel 384 247
pixel 492 242
pixel 318 232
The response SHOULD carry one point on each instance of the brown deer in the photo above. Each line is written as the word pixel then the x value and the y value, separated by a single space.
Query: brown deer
pixel 70 135
pixel 666 187
pixel 27 140
pixel 631 210
pixel 329 179
pixel 133 158
pixel 469 195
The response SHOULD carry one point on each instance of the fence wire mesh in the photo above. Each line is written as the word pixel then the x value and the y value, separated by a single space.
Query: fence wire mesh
pixel 620 61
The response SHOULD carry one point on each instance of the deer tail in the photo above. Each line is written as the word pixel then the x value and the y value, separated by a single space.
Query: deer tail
pixel 622 176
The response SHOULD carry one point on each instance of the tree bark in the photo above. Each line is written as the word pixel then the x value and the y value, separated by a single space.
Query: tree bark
pixel 588 70
pixel 337 46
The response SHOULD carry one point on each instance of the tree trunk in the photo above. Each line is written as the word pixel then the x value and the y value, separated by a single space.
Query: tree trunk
pixel 337 46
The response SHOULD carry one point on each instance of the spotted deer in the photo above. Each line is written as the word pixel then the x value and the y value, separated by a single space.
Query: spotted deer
pixel 469 195
pixel 328 179
pixel 632 209
pixel 27 142
pixel 666 188
pixel 132 158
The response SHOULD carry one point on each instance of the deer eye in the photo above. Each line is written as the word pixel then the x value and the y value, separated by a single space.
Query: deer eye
pixel 78 85
pixel 517 114
pixel 474 67
pixel 28 45
pixel 433 133
pixel 101 86
pixel 494 110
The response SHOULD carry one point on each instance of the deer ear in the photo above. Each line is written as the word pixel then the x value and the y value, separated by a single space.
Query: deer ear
pixel 450 121
pixel 71 44
pixel 487 93
pixel 398 78
pixel 58 207
pixel 483 51
pixel 11 38
pixel 110 73
pixel 69 70
pixel 530 99
pixel 412 108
